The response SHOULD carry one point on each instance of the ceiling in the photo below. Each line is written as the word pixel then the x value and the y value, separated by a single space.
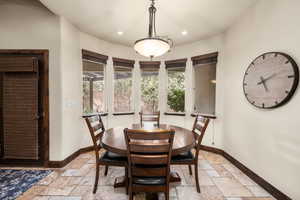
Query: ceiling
pixel 104 18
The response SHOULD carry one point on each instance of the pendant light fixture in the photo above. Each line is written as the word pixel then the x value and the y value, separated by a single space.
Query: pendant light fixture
pixel 153 45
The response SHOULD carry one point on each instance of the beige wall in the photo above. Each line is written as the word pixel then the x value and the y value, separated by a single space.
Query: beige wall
pixel 26 24
pixel 266 141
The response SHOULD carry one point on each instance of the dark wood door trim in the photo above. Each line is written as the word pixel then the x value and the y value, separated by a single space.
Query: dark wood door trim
pixel 43 57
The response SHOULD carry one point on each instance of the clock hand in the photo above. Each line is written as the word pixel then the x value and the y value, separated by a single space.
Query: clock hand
pixel 270 77
pixel 264 84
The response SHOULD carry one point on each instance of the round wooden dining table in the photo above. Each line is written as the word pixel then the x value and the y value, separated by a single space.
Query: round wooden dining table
pixel 113 140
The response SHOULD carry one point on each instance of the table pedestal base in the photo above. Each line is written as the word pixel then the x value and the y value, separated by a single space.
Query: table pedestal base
pixel 121 181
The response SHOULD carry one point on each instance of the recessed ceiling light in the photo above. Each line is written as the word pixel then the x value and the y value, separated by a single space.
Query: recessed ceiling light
pixel 120 32
pixel 184 32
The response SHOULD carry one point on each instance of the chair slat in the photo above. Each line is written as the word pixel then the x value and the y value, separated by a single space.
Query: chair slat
pixel 93 119
pixel 149 172
pixel 97 127
pixel 149 159
pixel 139 135
pixel 144 148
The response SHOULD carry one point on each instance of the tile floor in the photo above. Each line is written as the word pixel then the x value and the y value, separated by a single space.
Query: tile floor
pixel 219 180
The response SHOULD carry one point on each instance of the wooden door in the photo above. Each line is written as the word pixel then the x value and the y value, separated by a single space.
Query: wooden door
pixel 19 108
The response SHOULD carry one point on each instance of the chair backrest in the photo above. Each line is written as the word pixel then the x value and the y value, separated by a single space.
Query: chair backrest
pixel 149 152
pixel 96 128
pixel 149 117
pixel 199 129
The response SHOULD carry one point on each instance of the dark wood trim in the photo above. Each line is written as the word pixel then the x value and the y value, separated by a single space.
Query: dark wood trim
pixel 205 59
pixel 175 114
pixel 150 64
pixel 87 149
pixel 62 163
pixel 210 116
pixel 92 56
pixel 43 58
pixel 95 114
pixel 176 63
pixel 211 149
pixel 123 62
pixel 124 113
pixel 255 177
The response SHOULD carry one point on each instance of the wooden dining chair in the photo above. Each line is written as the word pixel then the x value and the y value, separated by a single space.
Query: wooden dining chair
pixel 150 117
pixel 107 158
pixel 188 158
pixel 149 155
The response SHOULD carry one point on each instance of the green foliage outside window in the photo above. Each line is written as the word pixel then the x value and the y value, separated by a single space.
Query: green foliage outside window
pixel 176 91
pixel 149 89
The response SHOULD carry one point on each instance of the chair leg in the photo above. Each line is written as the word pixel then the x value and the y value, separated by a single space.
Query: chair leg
pixel 190 169
pixel 126 179
pixel 96 179
pixel 197 177
pixel 130 193
pixel 106 170
pixel 167 195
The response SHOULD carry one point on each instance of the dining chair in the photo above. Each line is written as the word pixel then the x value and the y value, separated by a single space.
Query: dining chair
pixel 107 158
pixel 188 158
pixel 149 155
pixel 150 117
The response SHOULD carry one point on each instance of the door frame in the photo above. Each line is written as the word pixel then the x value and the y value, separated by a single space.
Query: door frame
pixel 43 56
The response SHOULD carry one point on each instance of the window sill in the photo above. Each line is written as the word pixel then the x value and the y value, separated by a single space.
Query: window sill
pixel 103 114
pixel 175 114
pixel 210 116
pixel 123 113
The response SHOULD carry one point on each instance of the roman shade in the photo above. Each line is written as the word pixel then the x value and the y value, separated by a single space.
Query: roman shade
pixel 149 65
pixel 210 58
pixel 92 56
pixel 120 62
pixel 179 63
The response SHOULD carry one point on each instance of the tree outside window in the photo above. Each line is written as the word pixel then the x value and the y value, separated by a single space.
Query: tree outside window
pixel 149 88
pixel 122 89
pixel 176 90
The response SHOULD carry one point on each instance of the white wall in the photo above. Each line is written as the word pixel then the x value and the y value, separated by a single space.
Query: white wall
pixel 71 72
pixel 29 25
pixel 266 141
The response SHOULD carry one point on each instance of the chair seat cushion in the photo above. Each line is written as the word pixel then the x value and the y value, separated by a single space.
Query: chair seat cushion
pixel 149 180
pixel 108 156
pixel 183 157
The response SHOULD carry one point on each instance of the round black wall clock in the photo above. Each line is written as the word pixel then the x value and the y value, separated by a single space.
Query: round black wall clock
pixel 271 80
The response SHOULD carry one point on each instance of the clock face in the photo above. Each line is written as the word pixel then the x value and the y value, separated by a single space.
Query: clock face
pixel 271 80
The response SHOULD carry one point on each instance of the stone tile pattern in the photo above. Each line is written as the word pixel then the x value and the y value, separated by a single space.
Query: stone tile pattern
pixel 219 180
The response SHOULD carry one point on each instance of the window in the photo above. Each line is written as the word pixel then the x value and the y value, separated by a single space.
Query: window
pixel 176 87
pixel 123 89
pixel 205 83
pixel 93 87
pixel 149 86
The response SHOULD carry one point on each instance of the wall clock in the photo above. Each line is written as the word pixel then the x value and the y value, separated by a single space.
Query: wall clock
pixel 271 80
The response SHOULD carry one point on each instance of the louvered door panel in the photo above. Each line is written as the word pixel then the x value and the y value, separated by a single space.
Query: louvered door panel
pixel 20 115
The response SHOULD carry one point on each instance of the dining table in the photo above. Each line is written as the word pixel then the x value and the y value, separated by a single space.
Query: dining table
pixel 113 140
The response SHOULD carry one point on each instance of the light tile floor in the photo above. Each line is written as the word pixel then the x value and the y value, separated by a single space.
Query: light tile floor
pixel 219 180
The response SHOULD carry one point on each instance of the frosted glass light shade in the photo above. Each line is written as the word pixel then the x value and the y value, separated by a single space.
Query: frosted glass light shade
pixel 151 47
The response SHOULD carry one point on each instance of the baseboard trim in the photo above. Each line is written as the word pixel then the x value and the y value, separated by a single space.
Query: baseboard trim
pixel 62 163
pixel 256 178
